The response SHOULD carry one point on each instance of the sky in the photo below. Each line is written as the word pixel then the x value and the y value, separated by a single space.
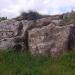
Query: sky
pixel 13 8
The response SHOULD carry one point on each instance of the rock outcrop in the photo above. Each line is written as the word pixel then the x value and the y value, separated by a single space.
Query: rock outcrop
pixel 46 36
pixel 49 39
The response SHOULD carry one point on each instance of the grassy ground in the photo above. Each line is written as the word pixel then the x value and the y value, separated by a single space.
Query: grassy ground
pixel 25 64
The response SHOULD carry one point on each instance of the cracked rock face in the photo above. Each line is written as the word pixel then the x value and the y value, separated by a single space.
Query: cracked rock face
pixel 48 39
pixel 13 34
pixel 44 36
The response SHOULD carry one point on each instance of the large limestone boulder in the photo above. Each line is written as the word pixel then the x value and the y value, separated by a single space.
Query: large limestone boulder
pixel 40 39
pixel 11 31
pixel 49 39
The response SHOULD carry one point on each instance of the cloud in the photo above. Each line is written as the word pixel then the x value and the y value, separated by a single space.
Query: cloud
pixel 12 8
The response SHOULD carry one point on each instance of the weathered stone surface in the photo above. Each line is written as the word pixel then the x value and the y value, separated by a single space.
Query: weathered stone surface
pixel 50 39
pixel 43 36
pixel 6 43
pixel 11 31
pixel 7 33
pixel 8 28
pixel 39 39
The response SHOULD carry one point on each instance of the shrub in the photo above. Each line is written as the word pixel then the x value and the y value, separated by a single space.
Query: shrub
pixel 69 17
pixel 32 15
pixel 3 18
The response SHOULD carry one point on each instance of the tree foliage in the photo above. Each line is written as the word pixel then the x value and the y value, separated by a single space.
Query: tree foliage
pixel 3 18
pixel 31 15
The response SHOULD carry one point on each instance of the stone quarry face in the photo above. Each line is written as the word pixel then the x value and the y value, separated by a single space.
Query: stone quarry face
pixel 45 36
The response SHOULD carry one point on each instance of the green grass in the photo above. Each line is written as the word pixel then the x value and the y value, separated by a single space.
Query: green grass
pixel 25 64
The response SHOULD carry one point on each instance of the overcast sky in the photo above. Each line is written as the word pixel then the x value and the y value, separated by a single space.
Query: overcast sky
pixel 12 8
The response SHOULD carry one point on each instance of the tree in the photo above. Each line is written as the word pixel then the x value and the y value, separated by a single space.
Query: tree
pixel 3 18
pixel 31 15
